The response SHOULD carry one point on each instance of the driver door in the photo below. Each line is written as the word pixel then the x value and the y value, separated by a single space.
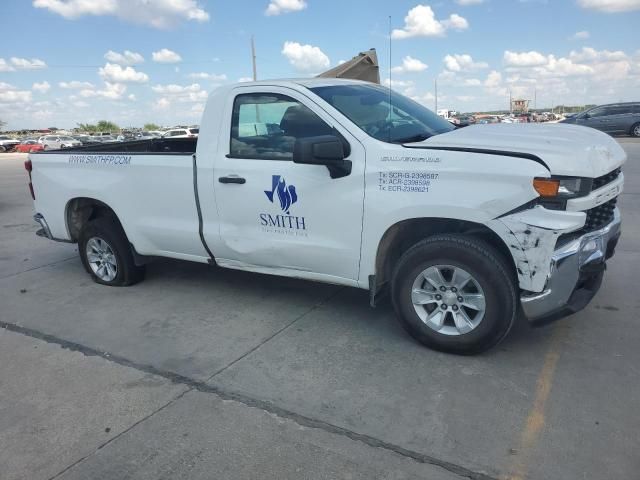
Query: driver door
pixel 275 215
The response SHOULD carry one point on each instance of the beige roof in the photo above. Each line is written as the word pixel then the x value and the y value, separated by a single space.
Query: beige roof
pixel 363 66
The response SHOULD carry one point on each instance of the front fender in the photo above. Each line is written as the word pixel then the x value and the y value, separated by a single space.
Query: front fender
pixel 531 236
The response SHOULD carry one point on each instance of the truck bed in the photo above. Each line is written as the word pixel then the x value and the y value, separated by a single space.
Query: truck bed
pixel 182 146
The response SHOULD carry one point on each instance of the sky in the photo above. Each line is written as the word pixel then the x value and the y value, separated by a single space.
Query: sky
pixel 64 62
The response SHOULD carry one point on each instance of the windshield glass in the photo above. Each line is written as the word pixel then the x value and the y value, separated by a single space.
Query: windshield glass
pixel 401 121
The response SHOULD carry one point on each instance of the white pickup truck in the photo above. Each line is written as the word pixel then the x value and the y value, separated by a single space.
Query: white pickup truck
pixel 348 183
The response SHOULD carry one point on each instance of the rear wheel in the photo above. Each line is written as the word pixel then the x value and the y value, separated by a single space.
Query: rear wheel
pixel 106 254
pixel 635 130
pixel 455 294
pixel 3 149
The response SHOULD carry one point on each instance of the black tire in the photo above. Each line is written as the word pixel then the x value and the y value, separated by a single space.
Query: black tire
pixel 3 149
pixel 109 230
pixel 635 130
pixel 486 265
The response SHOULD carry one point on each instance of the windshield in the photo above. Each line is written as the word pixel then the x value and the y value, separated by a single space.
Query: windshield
pixel 401 121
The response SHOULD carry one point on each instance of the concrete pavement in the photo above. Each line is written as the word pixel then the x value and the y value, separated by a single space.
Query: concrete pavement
pixel 202 373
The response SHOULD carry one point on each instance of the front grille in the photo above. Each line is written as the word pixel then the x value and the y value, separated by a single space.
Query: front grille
pixel 604 179
pixel 599 216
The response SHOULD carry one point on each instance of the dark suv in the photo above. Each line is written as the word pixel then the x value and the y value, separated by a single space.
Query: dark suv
pixel 615 118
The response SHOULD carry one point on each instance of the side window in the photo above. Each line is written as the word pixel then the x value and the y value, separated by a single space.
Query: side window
pixel 266 125
pixel 617 110
pixel 597 112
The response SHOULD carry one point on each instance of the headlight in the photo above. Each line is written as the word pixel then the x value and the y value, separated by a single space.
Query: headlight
pixel 561 187
pixel 569 187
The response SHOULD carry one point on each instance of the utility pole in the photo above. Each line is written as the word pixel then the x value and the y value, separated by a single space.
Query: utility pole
pixel 253 59
pixel 535 98
pixel 510 102
pixel 435 88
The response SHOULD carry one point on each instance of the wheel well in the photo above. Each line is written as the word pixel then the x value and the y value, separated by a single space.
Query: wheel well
pixel 403 235
pixel 82 210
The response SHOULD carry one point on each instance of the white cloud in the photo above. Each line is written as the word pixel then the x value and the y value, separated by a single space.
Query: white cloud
pixel 157 13
pixel 245 79
pixel 112 91
pixel 410 65
pixel 406 87
pixel 278 7
pixel 610 6
pixel 456 22
pixel 42 87
pixel 426 99
pixel 5 67
pixel 591 55
pixel 462 63
pixel 421 22
pixel 209 76
pixel 26 64
pixel 472 82
pixel 10 94
pixel 494 79
pixel 162 104
pixel 182 93
pixel 166 56
pixel 80 104
pixel 125 58
pixel 524 59
pixel 114 73
pixel 581 35
pixel 305 58
pixel 131 97
pixel 75 84
pixel 469 2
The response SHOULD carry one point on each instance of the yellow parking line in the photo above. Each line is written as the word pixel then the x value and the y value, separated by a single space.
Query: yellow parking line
pixel 536 418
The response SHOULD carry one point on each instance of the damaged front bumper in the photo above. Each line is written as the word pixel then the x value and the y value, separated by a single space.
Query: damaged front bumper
pixel 577 268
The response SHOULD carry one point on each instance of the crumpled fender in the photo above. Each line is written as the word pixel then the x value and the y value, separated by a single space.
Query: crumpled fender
pixel 531 236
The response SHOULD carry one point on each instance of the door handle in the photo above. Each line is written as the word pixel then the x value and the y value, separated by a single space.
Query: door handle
pixel 232 179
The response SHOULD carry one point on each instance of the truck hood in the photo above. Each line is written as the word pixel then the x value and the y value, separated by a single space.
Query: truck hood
pixel 570 150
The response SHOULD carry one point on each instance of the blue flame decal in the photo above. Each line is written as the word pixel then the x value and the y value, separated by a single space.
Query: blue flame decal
pixel 286 194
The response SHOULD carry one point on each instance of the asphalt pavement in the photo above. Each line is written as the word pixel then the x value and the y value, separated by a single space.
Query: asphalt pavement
pixel 206 373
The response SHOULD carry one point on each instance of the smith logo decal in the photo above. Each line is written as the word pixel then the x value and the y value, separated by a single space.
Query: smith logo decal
pixel 284 196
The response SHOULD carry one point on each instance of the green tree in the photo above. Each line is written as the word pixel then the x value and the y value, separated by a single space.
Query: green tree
pixel 86 127
pixel 107 126
pixel 151 126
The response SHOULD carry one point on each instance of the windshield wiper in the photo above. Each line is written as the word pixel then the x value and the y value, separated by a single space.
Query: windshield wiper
pixel 413 138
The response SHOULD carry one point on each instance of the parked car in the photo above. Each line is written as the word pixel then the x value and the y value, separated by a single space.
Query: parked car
pixel 486 120
pixel 463 120
pixel 29 145
pixel 104 139
pixel 52 142
pixel 615 118
pixel 146 135
pixel 465 228
pixel 8 143
pixel 181 133
pixel 85 139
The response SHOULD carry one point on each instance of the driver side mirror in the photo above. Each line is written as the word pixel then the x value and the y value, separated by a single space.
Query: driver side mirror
pixel 327 150
pixel 585 116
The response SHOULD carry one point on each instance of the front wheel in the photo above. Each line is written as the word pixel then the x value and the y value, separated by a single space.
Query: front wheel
pixel 455 294
pixel 635 130
pixel 106 254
